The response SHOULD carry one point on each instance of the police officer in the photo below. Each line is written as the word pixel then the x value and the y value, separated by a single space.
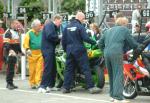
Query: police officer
pixel 112 43
pixel 50 39
pixel 72 42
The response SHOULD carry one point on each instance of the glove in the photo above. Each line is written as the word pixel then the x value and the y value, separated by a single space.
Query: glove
pixel 12 53
pixel 28 52
pixel 59 36
pixel 138 51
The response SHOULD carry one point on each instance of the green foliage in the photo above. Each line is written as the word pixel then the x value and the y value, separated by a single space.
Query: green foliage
pixel 72 6
pixel 1 9
pixel 34 8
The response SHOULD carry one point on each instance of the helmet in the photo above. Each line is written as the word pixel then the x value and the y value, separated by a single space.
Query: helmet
pixel 147 26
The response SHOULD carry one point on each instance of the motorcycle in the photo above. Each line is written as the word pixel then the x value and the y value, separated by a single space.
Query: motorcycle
pixel 136 77
pixel 96 70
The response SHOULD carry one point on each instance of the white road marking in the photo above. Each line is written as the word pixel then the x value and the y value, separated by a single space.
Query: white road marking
pixel 61 95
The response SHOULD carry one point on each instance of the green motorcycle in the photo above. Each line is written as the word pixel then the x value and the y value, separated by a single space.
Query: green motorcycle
pixel 97 69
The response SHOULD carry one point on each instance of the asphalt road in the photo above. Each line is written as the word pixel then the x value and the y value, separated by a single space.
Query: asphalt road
pixel 26 95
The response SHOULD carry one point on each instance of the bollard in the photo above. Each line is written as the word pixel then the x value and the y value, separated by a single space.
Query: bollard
pixel 23 60
pixel 23 67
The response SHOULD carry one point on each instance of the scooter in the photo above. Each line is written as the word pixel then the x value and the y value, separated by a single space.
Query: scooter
pixel 96 70
pixel 136 77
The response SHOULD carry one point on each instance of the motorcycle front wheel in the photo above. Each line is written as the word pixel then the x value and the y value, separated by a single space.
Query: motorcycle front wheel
pixel 129 91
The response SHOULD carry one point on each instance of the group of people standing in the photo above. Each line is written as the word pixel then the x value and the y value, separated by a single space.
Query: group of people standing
pixel 40 47
pixel 40 44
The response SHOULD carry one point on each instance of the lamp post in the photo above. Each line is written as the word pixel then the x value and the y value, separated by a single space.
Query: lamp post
pixel 100 6
pixel 49 6
pixel 8 6
pixel 148 3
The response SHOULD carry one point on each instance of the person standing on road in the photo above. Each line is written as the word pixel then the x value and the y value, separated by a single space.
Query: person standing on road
pixel 50 39
pixel 112 43
pixel 136 18
pixel 32 44
pixel 72 41
pixel 11 48
pixel 1 44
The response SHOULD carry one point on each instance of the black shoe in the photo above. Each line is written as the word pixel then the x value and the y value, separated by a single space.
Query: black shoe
pixel 10 87
pixel 33 87
pixel 64 90
pixel 15 87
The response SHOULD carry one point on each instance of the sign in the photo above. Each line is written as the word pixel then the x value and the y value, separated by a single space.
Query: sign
pixel 89 14
pixel 21 10
pixel 65 17
pixel 145 12
pixel 92 5
pixel 46 15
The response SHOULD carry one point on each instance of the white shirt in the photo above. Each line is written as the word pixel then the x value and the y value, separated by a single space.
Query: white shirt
pixel 136 15
pixel 15 34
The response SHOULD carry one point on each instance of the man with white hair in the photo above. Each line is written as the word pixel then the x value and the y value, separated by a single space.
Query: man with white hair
pixel 32 44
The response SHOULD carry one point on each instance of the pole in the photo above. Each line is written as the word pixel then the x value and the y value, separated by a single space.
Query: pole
pixel 23 65
pixel 54 7
pixel 12 8
pixel 100 6
pixel 148 3
pixel 25 22
pixel 8 6
pixel 23 58
pixel 49 6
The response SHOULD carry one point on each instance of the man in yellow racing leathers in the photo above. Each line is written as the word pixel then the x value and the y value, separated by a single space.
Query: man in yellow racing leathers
pixel 32 44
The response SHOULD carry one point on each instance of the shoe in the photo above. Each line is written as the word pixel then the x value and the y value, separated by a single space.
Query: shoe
pixel 15 87
pixel 42 90
pixel 37 86
pixel 64 90
pixel 10 87
pixel 33 87
pixel 121 101
pixel 94 90
pixel 112 99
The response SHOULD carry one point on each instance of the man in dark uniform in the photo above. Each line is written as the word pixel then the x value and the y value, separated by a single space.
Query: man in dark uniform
pixel 11 49
pixel 72 42
pixel 112 42
pixel 50 39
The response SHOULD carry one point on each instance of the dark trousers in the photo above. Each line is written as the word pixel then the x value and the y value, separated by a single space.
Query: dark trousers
pixel 114 64
pixel 81 59
pixel 49 73
pixel 10 70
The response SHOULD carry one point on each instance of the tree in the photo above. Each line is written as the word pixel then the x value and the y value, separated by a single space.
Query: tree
pixel 34 8
pixel 1 9
pixel 72 6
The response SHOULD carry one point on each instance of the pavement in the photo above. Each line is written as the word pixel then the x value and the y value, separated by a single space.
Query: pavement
pixel 24 94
